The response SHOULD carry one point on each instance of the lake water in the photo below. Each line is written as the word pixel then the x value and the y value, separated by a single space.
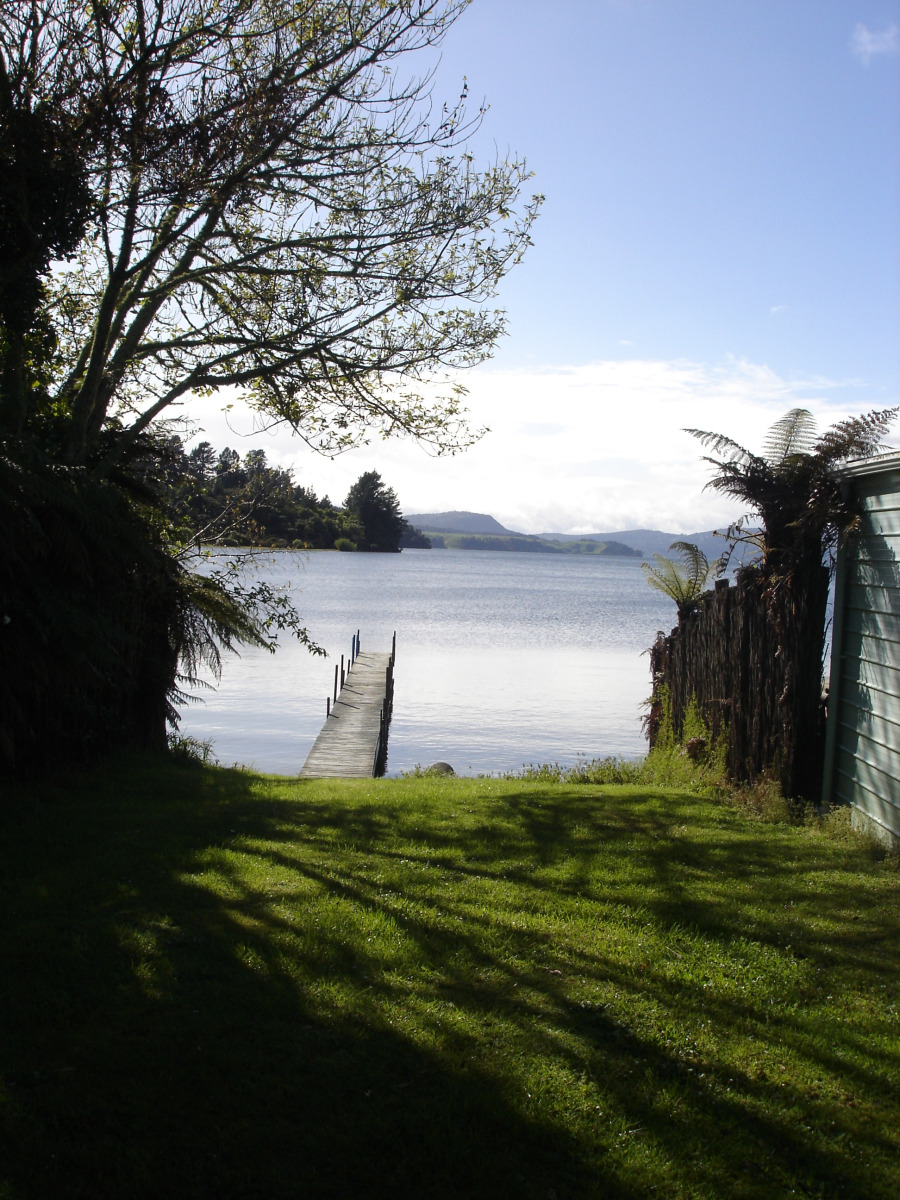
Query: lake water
pixel 503 659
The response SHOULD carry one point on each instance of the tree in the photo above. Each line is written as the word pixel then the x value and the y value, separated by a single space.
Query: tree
pixel 274 209
pixel 793 489
pixel 45 204
pixel 254 198
pixel 376 509
pixel 202 461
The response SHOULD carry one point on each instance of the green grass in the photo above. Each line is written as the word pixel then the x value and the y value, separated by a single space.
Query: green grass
pixel 219 985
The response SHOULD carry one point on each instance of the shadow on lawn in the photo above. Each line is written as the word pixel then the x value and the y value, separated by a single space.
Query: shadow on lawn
pixel 182 1057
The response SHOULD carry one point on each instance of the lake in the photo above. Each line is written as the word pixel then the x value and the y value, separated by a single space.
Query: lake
pixel 503 659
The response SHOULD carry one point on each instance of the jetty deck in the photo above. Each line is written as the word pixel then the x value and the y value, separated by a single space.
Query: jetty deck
pixel 349 743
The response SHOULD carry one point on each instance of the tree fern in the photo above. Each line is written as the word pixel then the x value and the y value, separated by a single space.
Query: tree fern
pixel 792 489
pixel 685 578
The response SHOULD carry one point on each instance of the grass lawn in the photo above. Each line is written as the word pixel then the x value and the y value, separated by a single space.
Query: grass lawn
pixel 214 984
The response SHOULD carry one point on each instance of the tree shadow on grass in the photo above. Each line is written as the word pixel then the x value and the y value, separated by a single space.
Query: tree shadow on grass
pixel 155 1043
pixel 185 1028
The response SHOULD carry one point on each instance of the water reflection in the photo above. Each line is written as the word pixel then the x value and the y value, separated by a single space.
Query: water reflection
pixel 502 659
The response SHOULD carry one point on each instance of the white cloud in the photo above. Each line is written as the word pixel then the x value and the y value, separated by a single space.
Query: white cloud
pixel 777 309
pixel 572 448
pixel 866 44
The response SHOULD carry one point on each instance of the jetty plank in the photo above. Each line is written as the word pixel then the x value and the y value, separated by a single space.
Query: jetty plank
pixel 348 741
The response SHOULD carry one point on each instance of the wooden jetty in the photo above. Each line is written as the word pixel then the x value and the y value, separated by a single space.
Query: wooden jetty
pixel 352 743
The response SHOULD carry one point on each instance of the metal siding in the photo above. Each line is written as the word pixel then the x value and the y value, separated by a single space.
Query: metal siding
pixel 866 734
pixel 885 522
pixel 871 782
pixel 876 501
pixel 879 627
pixel 871 688
pixel 871 572
pixel 872 651
pixel 873 719
pixel 848 789
pixel 880 551
pixel 878 597
pixel 867 742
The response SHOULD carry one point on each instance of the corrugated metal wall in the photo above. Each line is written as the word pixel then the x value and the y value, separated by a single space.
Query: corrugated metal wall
pixel 862 765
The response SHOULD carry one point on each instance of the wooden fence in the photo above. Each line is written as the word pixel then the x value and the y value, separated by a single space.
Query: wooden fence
pixel 752 657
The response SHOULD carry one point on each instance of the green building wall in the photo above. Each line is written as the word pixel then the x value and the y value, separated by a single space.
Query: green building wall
pixel 862 756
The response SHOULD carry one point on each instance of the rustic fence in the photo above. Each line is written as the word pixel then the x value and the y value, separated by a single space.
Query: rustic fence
pixel 751 655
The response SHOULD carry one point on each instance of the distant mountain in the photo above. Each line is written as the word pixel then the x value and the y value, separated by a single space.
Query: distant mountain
pixel 457 522
pixel 646 542
pixel 524 543
pixel 649 541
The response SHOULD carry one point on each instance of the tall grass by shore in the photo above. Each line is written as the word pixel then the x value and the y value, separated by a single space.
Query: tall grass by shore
pixel 219 984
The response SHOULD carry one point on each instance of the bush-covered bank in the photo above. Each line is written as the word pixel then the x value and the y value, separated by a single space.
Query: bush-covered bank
pixel 223 984
pixel 217 496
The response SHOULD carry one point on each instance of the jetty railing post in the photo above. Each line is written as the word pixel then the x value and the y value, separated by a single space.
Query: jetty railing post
pixel 327 706
pixel 342 670
pixel 335 681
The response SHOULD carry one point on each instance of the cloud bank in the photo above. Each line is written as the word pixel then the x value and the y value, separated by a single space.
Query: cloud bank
pixel 571 448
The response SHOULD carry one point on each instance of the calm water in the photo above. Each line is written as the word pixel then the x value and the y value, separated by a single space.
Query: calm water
pixel 503 659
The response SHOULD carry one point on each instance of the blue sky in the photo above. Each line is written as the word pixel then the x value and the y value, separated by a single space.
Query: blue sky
pixel 720 241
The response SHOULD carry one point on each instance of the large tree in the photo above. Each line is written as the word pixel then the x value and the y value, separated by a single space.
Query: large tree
pixel 276 207
pixel 376 510
pixel 254 194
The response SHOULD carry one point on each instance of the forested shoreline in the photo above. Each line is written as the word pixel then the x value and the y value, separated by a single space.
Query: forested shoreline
pixel 220 497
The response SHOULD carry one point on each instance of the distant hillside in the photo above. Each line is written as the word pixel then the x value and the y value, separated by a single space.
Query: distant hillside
pixel 649 541
pixel 458 522
pixel 480 531
pixel 525 543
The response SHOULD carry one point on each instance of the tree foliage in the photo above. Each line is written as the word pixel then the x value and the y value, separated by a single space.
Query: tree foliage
pixel 220 498
pixel 753 655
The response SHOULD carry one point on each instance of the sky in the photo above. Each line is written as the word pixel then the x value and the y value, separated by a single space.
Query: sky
pixel 719 242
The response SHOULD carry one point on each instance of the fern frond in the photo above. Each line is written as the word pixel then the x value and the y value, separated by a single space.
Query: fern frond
pixel 694 564
pixel 793 434
pixel 857 437
pixel 683 581
pixel 719 443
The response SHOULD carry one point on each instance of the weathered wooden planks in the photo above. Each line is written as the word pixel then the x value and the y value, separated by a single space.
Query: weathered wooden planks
pixel 347 744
